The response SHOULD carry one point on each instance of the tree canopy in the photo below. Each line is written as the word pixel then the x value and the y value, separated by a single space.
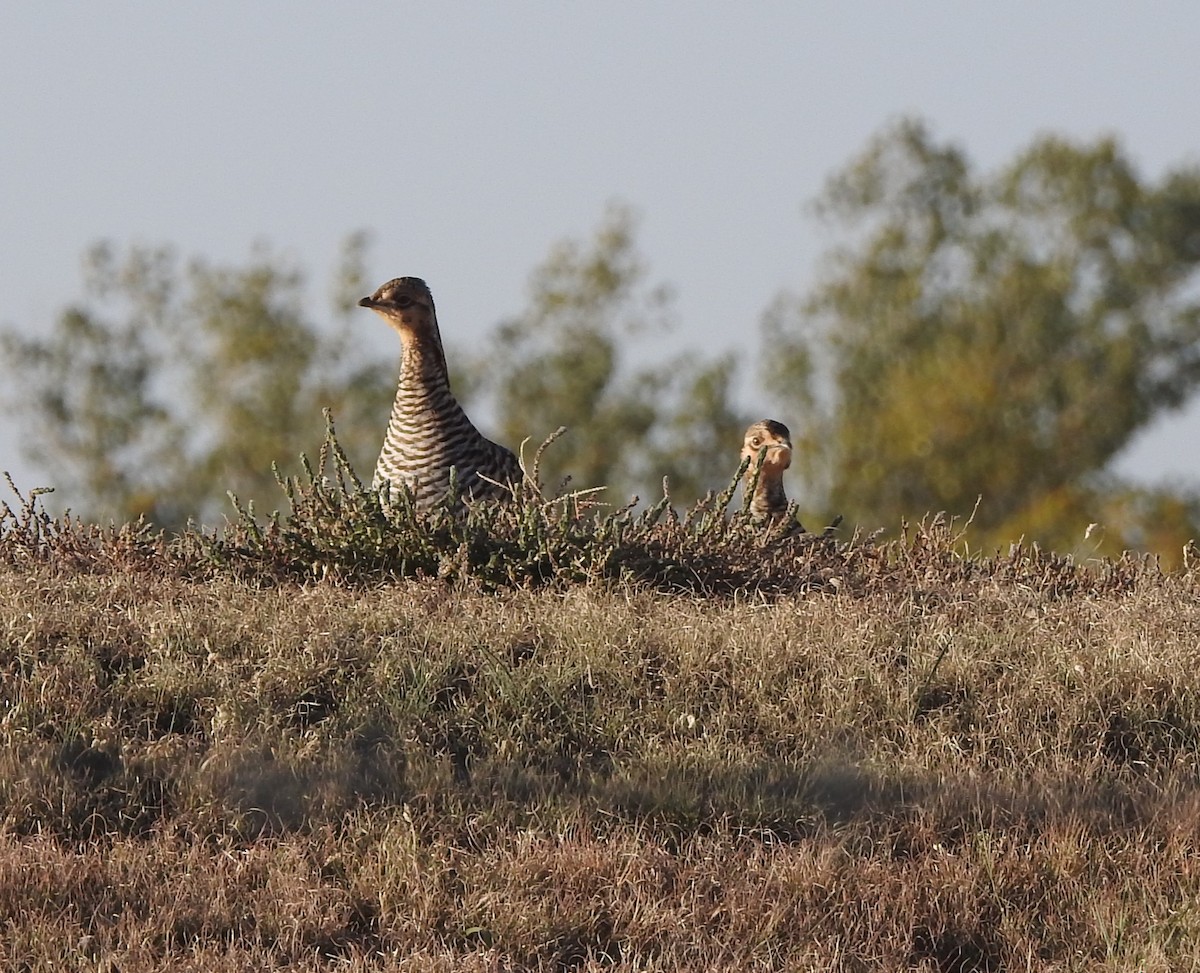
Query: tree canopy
pixel 565 360
pixel 993 337
pixel 171 384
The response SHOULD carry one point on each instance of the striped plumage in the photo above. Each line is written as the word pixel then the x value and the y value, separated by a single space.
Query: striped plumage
pixel 769 499
pixel 428 432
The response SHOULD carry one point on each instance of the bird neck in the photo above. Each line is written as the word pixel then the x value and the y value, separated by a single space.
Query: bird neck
pixel 423 355
pixel 769 497
pixel 423 391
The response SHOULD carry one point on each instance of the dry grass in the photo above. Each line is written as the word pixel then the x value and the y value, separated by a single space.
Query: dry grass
pixel 910 761
pixel 521 739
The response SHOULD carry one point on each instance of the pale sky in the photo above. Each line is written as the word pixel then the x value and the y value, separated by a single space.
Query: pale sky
pixel 468 137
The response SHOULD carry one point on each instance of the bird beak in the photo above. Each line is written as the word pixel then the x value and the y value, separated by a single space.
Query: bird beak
pixel 778 454
pixel 367 302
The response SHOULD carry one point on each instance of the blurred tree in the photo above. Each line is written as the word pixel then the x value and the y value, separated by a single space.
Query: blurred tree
pixel 563 361
pixel 170 386
pixel 1001 336
pixel 698 437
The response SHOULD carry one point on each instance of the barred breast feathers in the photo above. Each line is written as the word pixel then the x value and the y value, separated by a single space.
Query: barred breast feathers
pixel 428 432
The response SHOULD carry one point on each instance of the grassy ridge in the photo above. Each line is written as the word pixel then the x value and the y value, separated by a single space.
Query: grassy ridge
pixel 341 741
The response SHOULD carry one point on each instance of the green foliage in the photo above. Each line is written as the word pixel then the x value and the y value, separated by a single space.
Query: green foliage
pixel 566 360
pixel 699 429
pixel 171 384
pixel 1001 335
pixel 88 391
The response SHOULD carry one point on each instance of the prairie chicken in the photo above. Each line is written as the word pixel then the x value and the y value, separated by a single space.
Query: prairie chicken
pixel 769 499
pixel 428 432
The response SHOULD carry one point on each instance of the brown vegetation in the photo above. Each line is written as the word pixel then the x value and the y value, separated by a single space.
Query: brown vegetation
pixel 225 754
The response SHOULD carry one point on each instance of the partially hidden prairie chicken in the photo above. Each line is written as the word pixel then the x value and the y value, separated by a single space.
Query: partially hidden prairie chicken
pixel 428 432
pixel 769 499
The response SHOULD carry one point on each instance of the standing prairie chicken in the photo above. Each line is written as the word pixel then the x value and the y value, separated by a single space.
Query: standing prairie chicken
pixel 428 433
pixel 769 499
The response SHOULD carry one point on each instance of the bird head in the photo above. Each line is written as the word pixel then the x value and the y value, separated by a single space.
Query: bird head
pixel 773 437
pixel 406 304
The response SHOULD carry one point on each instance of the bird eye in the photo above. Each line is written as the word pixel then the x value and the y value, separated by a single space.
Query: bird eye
pixel 756 442
pixel 404 302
